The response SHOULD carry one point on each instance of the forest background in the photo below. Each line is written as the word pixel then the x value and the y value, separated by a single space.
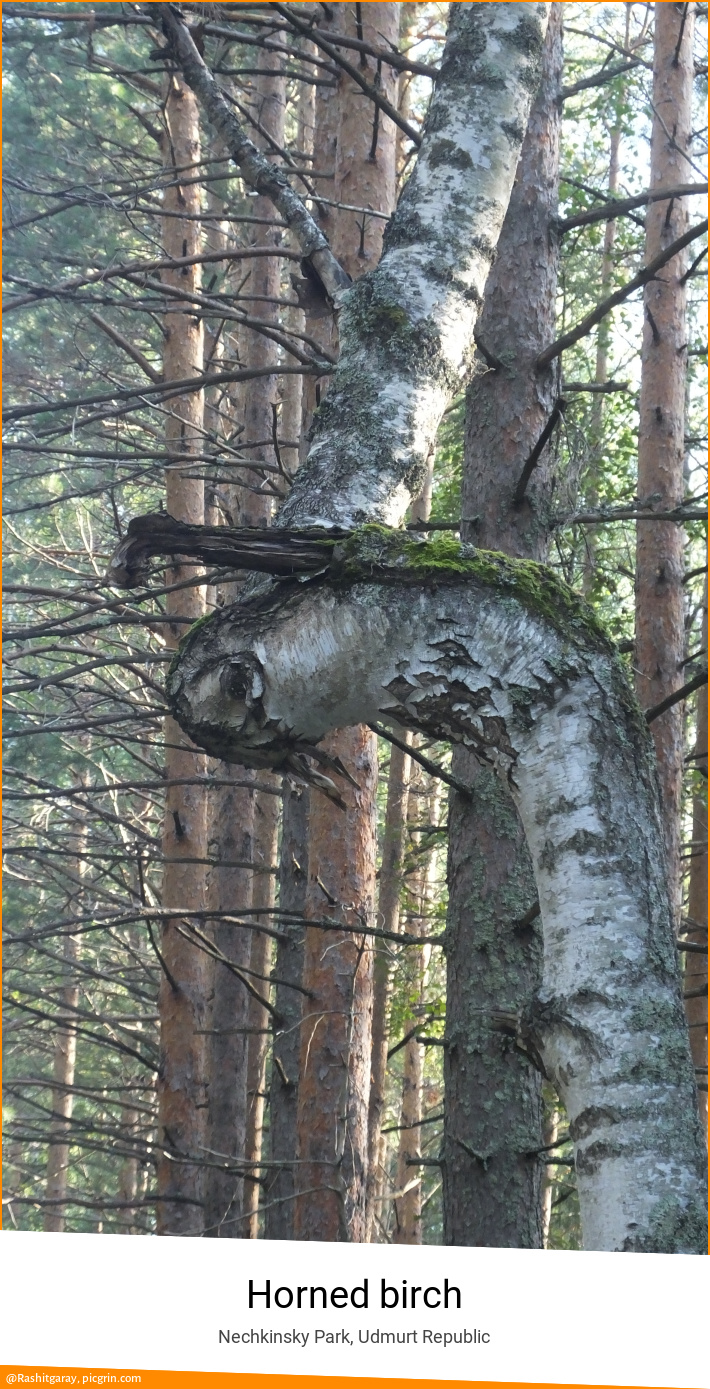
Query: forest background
pixel 164 996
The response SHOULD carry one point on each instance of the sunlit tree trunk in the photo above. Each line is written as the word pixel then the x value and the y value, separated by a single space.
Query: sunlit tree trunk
pixel 64 1061
pixel 659 545
pixel 408 1206
pixel 388 917
pixel 265 846
pixel 184 975
pixel 492 1090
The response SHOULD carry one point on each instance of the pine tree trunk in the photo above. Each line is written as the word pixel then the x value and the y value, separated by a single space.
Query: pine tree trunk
pixel 230 819
pixel 659 546
pixel 63 1067
pixel 288 1001
pixel 183 986
pixel 265 846
pixel 493 1101
pixel 261 421
pixel 293 865
pixel 343 856
pixel 334 1070
pixel 388 916
pixel 239 814
pixel 408 1206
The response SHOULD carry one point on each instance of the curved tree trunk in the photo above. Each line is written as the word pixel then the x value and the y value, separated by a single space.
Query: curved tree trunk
pixel 492 1101
pixel 471 647
pixel 475 647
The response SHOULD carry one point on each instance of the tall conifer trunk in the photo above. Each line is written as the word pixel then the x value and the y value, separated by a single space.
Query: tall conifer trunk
pixel 493 1125
pixel 230 816
pixel 293 860
pixel 341 870
pixel 64 1061
pixel 256 510
pixel 184 978
pixel 659 545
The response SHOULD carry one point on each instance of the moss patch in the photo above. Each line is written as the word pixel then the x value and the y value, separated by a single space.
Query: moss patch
pixel 378 554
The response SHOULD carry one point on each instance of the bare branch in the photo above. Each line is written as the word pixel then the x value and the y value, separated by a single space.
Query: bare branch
pixel 256 170
pixel 616 208
pixel 648 273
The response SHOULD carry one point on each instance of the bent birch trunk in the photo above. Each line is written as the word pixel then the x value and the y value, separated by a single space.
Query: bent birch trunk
pixel 483 650
pixel 472 647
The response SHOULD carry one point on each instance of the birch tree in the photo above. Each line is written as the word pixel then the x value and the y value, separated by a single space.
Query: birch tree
pixel 472 647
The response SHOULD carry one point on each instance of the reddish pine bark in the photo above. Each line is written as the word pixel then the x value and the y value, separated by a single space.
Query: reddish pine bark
pixel 659 544
pixel 336 1040
pixel 183 987
pixel 493 1100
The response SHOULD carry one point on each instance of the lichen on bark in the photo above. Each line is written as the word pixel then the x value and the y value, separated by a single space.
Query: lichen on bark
pixel 469 651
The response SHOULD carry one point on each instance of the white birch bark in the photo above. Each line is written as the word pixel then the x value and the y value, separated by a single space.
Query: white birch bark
pixel 479 649
pixel 500 656
pixel 406 329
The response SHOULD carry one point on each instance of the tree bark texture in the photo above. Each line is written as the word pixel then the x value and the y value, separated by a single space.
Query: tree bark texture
pixel 280 1184
pixel 493 1102
pixel 265 847
pixel 230 831
pixel 184 980
pixel 511 662
pixel 256 506
pixel 388 917
pixel 334 1070
pixel 659 548
pixel 406 328
pixel 469 646
pixel 408 1205
pixel 342 855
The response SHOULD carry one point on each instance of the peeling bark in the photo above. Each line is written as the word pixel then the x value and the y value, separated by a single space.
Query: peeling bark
pixel 475 648
pixel 406 328
pixel 470 647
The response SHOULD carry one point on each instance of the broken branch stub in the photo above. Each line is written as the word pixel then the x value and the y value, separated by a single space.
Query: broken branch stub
pixel 280 553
